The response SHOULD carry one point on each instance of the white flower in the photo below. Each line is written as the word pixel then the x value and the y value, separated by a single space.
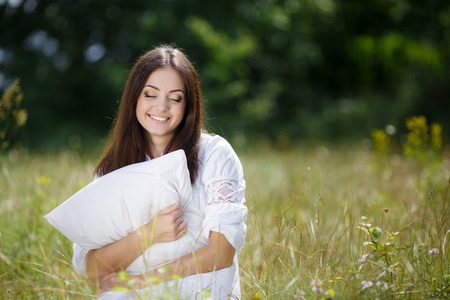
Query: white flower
pixel 382 284
pixel 434 251
pixel 363 259
pixel 316 281
pixel 300 294
pixel 316 284
pixel 366 284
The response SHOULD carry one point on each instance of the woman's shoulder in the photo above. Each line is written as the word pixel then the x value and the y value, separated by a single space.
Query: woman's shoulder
pixel 216 149
pixel 210 143
pixel 217 159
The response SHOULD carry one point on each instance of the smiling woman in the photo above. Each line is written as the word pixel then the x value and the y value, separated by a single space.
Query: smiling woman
pixel 161 112
pixel 160 108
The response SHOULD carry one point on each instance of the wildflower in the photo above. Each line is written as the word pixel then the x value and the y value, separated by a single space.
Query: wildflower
pixel 382 284
pixel 417 137
pixel 43 180
pixel 434 251
pixel 330 293
pixel 316 284
pixel 257 295
pixel 363 259
pixel 339 277
pixel 421 247
pixel 300 294
pixel 436 136
pixel 366 284
pixel 381 141
pixel 331 281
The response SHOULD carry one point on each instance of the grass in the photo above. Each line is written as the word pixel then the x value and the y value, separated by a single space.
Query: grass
pixel 306 236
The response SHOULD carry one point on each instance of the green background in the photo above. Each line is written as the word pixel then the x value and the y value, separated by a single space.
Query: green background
pixel 282 71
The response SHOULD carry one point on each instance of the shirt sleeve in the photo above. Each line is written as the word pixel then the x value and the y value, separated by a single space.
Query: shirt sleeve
pixel 224 182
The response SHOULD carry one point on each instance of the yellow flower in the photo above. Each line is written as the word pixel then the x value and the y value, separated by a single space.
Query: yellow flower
pixel 257 296
pixel 21 117
pixel 436 136
pixel 44 180
pixel 381 141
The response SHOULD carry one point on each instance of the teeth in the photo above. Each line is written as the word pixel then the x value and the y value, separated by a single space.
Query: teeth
pixel 158 118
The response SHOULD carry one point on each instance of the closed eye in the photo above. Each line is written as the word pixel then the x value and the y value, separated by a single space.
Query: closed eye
pixel 178 100
pixel 149 96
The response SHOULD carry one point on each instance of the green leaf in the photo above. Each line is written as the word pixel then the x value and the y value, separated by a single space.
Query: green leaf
pixel 376 232
pixel 364 229
pixel 373 244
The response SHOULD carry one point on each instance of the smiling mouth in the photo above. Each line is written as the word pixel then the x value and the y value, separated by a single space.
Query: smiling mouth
pixel 161 119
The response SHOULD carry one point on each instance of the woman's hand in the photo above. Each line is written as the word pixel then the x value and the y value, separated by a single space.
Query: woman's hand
pixel 107 282
pixel 124 280
pixel 167 226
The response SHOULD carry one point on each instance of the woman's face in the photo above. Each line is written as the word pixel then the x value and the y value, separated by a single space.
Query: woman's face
pixel 161 104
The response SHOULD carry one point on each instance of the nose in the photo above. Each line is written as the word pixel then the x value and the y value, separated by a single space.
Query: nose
pixel 162 104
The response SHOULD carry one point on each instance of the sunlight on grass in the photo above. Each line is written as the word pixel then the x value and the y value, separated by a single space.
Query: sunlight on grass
pixel 306 235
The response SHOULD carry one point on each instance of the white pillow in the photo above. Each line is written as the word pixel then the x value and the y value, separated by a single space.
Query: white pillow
pixel 118 203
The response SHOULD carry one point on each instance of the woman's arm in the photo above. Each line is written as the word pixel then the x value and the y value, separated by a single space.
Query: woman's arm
pixel 167 226
pixel 218 254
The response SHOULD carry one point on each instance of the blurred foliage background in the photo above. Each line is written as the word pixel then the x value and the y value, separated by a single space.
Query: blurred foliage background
pixel 277 70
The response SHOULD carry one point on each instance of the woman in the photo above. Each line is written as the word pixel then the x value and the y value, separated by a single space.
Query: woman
pixel 160 112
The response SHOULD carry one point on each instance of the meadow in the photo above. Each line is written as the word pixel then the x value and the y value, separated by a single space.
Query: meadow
pixel 325 221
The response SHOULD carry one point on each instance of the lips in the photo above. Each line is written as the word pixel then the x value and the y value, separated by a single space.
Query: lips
pixel 159 119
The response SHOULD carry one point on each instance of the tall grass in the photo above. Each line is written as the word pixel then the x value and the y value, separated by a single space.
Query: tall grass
pixel 306 236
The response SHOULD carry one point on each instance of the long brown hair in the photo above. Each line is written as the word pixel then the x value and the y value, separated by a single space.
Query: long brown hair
pixel 127 141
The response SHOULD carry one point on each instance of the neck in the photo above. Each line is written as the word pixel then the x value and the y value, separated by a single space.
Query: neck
pixel 156 147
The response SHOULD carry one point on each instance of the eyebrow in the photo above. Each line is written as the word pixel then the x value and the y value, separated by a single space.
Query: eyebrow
pixel 172 91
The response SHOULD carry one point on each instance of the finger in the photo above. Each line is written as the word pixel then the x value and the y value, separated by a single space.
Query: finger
pixel 176 213
pixel 182 228
pixel 107 282
pixel 169 208
pixel 177 220
pixel 107 278
pixel 182 232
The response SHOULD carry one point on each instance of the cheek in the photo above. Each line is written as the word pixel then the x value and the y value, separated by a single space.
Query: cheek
pixel 183 111
pixel 140 107
pixel 140 111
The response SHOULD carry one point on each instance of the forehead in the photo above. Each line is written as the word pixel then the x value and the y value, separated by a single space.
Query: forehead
pixel 166 79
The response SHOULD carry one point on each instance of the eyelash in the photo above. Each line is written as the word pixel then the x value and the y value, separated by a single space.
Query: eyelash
pixel 176 100
pixel 149 96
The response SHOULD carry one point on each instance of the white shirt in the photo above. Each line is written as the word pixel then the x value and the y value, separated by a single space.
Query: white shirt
pixel 218 193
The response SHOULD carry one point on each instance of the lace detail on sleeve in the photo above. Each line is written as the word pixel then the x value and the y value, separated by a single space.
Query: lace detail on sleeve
pixel 225 191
